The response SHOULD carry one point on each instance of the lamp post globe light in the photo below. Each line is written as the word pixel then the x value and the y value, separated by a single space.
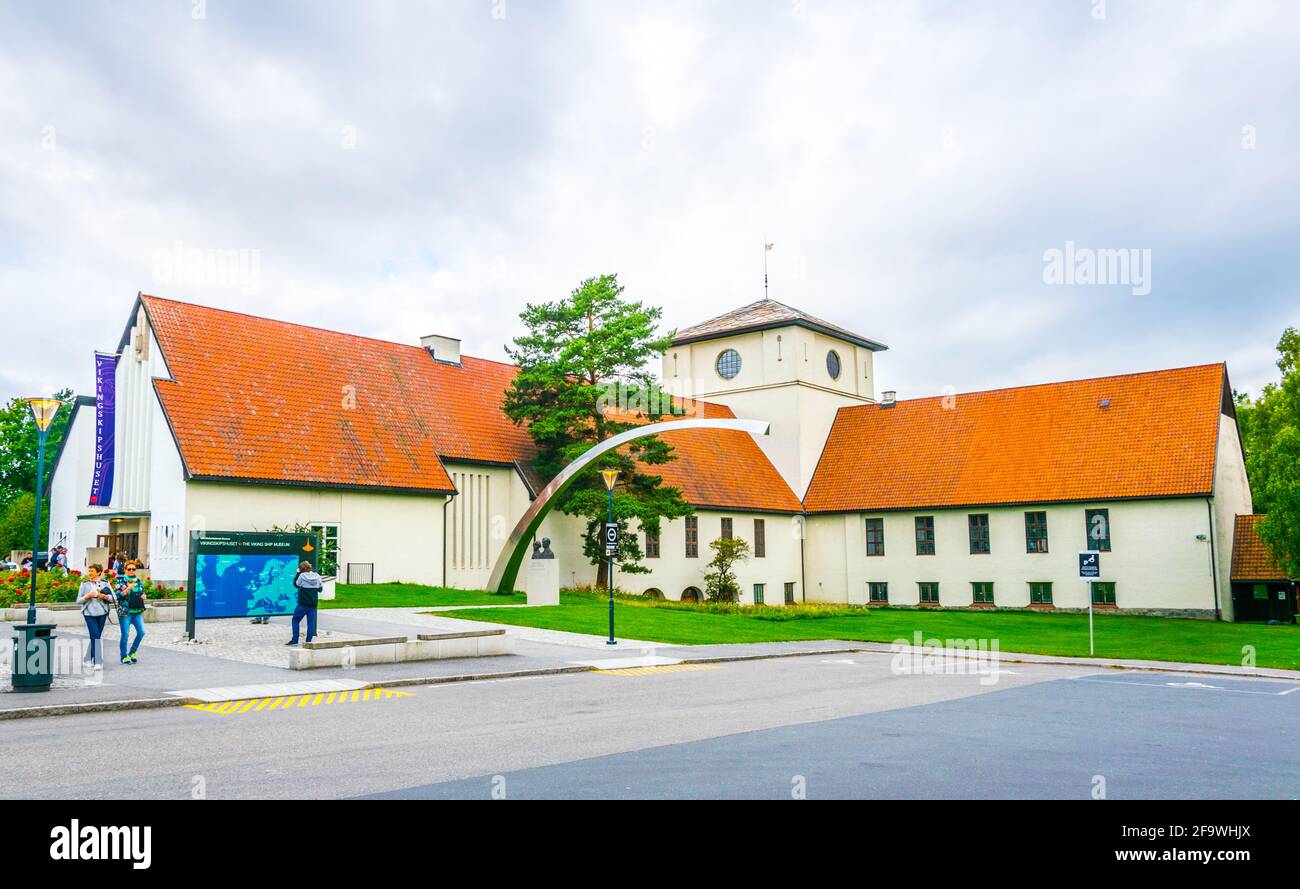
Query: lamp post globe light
pixel 43 412
pixel 610 477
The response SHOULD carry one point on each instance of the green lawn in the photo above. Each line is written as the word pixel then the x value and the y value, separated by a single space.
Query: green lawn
pixel 1149 638
pixel 396 595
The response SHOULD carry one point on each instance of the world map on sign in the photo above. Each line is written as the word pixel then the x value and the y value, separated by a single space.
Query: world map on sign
pixel 244 585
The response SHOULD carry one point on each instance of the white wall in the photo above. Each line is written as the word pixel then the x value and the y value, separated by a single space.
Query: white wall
pixel 1156 560
pixel 400 533
pixel 167 542
pixel 673 572
pixel 1231 498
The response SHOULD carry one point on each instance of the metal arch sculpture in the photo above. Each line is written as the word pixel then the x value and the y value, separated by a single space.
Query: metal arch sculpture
pixel 506 569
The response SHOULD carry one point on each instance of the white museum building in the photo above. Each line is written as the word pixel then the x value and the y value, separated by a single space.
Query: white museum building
pixel 399 456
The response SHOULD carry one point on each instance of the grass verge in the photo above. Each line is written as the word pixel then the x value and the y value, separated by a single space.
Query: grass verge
pixel 413 595
pixel 1118 636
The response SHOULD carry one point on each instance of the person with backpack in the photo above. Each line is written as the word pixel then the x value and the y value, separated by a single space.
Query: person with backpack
pixel 131 603
pixel 95 596
pixel 309 585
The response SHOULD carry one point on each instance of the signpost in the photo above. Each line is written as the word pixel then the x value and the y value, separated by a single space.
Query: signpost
pixel 241 574
pixel 1089 571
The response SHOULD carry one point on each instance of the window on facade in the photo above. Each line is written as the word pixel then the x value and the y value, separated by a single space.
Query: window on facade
pixel 982 592
pixel 1259 591
pixel 692 537
pixel 789 592
pixel 1036 532
pixel 760 538
pixel 877 592
pixel 979 533
pixel 758 594
pixel 726 528
pixel 651 544
pixel 929 592
pixel 1098 522
pixel 327 536
pixel 1103 593
pixel 875 537
pixel 728 364
pixel 1040 593
pixel 833 364
pixel 925 535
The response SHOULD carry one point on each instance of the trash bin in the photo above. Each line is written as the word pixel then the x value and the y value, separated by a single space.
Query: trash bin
pixel 33 657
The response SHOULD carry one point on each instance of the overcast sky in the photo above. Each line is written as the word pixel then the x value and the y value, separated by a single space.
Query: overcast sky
pixel 404 168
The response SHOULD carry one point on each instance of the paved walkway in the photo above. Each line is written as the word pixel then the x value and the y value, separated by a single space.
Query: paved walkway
pixel 238 654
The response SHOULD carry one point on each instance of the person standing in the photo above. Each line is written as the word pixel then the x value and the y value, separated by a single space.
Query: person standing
pixel 131 603
pixel 95 596
pixel 309 585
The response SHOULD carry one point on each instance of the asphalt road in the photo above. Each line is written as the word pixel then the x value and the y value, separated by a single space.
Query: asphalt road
pixel 825 726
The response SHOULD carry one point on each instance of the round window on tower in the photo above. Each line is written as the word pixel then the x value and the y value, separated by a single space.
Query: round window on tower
pixel 728 364
pixel 833 364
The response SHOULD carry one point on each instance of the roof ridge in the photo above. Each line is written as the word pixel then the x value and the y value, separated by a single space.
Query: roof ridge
pixel 358 336
pixel 1021 388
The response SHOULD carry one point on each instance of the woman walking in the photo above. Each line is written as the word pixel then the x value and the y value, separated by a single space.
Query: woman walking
pixel 131 603
pixel 95 597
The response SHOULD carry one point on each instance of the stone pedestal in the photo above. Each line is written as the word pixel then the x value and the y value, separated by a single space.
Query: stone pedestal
pixel 543 582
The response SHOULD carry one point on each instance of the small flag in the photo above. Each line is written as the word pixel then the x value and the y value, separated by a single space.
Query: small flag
pixel 768 246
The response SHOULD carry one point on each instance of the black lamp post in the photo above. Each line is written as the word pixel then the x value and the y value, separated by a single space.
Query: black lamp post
pixel 43 412
pixel 611 478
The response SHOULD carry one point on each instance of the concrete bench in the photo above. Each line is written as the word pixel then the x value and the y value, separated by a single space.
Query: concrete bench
pixel 354 643
pixel 400 649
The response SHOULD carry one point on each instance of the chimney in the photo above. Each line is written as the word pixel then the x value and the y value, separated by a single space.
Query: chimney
pixel 888 397
pixel 443 348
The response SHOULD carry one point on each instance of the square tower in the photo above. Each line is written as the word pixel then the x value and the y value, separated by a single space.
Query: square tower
pixel 769 361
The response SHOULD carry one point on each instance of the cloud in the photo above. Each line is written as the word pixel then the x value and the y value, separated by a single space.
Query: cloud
pixel 405 169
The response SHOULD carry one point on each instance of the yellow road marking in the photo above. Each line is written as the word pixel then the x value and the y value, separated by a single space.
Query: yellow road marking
pixel 650 671
pixel 256 705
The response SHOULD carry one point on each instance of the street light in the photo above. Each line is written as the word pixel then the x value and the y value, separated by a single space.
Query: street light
pixel 43 412
pixel 610 477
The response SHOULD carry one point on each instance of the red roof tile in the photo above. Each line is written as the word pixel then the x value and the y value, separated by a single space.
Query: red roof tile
pixel 257 399
pixel 724 469
pixel 1251 558
pixel 1032 444
pixel 261 400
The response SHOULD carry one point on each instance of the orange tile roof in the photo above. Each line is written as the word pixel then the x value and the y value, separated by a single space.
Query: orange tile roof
pixel 255 399
pixel 1032 444
pixel 1251 558
pixel 725 469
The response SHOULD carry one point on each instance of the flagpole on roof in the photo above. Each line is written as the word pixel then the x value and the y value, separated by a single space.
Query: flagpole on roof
pixel 766 248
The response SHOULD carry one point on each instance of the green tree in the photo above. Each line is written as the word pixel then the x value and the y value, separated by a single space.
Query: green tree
pixel 720 584
pixel 16 524
pixel 583 378
pixel 1270 429
pixel 18 445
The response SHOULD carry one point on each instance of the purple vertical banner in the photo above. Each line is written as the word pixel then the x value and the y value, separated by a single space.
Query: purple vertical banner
pixel 101 482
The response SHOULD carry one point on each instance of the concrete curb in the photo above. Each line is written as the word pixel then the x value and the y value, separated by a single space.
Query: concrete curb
pixel 482 677
pixel 94 707
pixel 1012 657
pixel 1005 657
